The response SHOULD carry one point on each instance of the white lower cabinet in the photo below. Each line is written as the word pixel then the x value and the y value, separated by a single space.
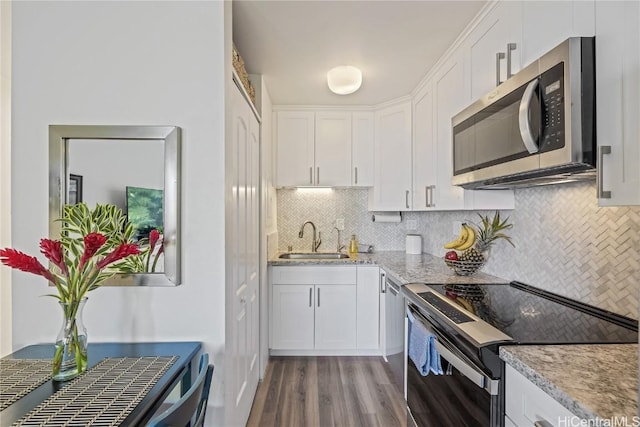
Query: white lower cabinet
pixel 292 317
pixel 335 320
pixel 527 405
pixel 324 310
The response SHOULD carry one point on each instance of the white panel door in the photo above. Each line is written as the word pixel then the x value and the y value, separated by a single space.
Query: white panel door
pixel 333 149
pixel 392 159
pixel 243 337
pixel 292 317
pixel 294 146
pixel 362 149
pixel 335 316
pixel 618 105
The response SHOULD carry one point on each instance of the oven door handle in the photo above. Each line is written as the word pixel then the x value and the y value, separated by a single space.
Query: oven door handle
pixel 478 378
pixel 445 348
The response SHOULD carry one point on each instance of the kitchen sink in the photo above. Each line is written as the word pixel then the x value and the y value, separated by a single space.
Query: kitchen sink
pixel 314 255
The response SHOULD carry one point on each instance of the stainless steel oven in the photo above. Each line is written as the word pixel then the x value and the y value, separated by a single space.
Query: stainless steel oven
pixel 466 395
pixel 469 323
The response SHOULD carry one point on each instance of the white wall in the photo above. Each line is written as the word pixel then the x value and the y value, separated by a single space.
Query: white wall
pixel 5 172
pixel 126 63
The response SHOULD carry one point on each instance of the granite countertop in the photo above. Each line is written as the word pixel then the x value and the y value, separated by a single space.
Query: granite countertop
pixel 592 381
pixel 424 268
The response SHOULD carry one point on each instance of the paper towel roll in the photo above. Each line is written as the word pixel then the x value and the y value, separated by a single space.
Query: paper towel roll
pixel 386 217
pixel 414 244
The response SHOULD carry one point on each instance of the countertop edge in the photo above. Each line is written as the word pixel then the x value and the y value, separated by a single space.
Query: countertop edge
pixel 605 393
pixel 559 395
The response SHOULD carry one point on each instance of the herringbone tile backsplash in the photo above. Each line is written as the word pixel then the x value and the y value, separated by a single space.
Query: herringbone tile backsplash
pixel 564 242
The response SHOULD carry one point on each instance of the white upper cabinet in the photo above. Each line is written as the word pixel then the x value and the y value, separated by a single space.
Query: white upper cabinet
pixel 392 159
pixel 362 149
pixel 562 19
pixel 424 150
pixel 617 102
pixel 448 93
pixel 324 148
pixel 295 148
pixel 494 48
pixel 333 149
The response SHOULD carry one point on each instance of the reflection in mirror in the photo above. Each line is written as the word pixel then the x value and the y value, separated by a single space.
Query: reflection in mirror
pixel 133 167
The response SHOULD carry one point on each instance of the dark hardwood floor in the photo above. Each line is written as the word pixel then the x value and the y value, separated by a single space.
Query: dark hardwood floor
pixel 327 391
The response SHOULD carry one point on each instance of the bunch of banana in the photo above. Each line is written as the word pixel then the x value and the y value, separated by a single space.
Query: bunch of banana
pixel 465 240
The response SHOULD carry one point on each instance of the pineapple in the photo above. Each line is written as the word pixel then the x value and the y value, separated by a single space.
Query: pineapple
pixel 486 236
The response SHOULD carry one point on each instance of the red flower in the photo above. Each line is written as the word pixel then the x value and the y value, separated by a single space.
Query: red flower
pixel 16 259
pixel 92 242
pixel 122 251
pixel 154 235
pixel 52 249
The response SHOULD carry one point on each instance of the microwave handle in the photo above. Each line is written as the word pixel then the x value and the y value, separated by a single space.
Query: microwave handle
pixel 523 117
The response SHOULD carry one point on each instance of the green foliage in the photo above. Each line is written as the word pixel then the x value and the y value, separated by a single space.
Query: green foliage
pixel 109 220
pixel 492 230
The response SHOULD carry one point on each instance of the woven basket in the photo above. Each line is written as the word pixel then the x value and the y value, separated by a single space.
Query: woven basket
pixel 464 268
pixel 238 65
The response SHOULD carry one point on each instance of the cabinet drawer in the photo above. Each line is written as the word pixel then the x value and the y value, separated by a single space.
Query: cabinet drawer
pixel 305 275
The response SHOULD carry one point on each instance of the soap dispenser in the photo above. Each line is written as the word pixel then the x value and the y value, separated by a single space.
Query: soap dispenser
pixel 353 245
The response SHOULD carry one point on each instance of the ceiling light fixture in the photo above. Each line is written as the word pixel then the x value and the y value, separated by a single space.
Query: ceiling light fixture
pixel 344 79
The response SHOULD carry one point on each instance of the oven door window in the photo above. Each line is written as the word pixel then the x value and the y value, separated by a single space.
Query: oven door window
pixel 453 400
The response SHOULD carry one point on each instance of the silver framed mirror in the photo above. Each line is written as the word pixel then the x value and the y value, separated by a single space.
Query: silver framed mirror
pixel 69 149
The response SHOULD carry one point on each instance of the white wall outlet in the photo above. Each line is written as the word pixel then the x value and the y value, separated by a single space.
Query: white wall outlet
pixel 412 224
pixel 340 224
pixel 455 229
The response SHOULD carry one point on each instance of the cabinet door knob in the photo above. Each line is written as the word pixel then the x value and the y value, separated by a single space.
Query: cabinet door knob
pixel 499 57
pixel 602 150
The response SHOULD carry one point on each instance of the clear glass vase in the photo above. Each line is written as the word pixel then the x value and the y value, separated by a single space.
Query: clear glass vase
pixel 70 358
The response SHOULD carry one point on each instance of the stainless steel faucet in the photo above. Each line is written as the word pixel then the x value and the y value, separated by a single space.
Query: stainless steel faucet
pixel 316 240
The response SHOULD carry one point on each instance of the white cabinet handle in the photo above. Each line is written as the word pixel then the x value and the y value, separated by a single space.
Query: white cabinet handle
pixel 602 150
pixel 311 175
pixel 310 296
pixel 318 175
pixel 318 297
pixel 406 198
pixel 432 204
pixel 510 47
pixel 499 57
pixel 356 175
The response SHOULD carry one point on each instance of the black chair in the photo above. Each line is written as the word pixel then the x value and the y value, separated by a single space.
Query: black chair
pixel 192 405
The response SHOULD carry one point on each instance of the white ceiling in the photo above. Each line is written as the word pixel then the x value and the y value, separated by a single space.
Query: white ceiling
pixel 294 43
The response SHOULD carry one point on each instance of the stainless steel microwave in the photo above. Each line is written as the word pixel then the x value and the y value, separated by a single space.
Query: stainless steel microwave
pixel 536 128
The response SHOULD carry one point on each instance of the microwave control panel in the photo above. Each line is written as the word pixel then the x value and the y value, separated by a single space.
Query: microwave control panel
pixel 552 102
